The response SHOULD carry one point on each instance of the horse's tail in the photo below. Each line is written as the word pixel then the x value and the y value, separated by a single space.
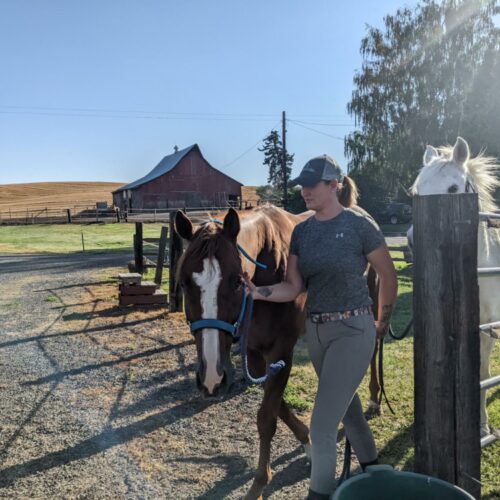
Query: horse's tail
pixel 348 193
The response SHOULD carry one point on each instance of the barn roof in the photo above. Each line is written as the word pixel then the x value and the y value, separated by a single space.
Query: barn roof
pixel 165 165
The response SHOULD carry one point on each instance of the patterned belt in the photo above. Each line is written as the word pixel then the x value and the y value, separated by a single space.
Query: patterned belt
pixel 337 316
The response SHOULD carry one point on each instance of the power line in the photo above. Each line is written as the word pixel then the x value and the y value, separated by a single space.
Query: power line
pixel 131 116
pixel 99 111
pixel 317 131
pixel 247 151
pixel 326 124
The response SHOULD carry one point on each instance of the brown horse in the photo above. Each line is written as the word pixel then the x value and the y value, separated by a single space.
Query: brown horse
pixel 210 275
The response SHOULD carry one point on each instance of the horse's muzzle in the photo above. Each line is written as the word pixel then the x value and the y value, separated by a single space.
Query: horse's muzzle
pixel 219 391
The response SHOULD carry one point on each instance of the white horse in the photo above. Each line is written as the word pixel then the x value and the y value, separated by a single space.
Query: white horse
pixel 452 170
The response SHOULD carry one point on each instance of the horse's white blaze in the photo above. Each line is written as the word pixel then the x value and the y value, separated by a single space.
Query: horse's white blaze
pixel 208 281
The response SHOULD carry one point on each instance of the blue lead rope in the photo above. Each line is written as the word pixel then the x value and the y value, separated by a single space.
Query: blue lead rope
pixel 272 369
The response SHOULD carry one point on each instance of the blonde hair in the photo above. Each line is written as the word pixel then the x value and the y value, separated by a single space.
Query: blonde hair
pixel 348 192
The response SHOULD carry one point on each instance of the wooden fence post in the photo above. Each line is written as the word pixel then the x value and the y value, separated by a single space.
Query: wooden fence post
pixel 161 255
pixel 68 211
pixel 175 251
pixel 446 355
pixel 138 249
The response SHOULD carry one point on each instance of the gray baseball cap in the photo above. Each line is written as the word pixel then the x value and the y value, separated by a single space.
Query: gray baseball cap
pixel 321 168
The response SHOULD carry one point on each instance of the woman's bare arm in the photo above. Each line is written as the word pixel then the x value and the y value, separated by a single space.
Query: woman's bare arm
pixel 285 291
pixel 381 261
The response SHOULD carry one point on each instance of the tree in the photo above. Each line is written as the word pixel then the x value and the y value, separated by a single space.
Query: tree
pixel 273 159
pixel 423 80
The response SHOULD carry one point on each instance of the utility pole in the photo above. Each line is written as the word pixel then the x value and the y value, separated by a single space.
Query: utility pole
pixel 285 180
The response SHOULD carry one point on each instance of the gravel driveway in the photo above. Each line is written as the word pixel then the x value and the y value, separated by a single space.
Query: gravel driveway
pixel 99 401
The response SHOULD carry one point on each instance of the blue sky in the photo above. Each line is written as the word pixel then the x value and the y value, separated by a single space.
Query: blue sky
pixel 101 90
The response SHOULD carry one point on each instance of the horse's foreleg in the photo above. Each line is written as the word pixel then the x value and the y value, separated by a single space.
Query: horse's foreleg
pixel 374 386
pixel 299 429
pixel 266 423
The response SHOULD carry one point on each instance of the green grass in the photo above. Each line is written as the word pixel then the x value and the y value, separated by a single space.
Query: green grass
pixel 67 238
pixel 394 434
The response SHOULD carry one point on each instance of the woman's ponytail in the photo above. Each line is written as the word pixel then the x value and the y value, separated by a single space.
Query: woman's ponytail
pixel 348 193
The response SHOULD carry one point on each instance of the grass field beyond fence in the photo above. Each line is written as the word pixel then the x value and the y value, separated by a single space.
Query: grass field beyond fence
pixel 67 238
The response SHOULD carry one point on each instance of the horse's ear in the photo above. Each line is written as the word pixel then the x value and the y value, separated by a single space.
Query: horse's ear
pixel 461 151
pixel 231 226
pixel 183 225
pixel 430 154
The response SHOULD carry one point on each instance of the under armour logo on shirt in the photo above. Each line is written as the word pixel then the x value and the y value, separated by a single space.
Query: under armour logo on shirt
pixel 339 235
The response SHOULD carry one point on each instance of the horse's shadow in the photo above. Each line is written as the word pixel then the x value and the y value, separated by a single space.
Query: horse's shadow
pixel 238 473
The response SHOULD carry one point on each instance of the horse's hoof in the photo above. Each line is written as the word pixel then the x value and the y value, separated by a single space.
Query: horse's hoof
pixel 373 408
pixel 307 451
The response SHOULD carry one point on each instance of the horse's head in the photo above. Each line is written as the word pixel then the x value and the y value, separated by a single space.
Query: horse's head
pixel 210 275
pixel 444 171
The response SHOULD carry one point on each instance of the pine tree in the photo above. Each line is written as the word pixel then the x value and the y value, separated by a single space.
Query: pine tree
pixel 273 159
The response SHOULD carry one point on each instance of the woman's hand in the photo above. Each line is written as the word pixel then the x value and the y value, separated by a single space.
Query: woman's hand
pixel 251 288
pixel 381 329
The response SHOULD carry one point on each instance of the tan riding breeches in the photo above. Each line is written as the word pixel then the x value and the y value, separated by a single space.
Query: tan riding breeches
pixel 340 352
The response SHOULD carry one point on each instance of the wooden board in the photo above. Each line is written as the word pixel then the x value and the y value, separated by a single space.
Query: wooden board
pixel 145 288
pixel 159 297
pixel 130 278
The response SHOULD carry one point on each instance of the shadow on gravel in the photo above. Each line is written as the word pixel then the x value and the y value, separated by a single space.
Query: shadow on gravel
pixel 59 263
pixel 235 472
pixel 110 312
pixel 103 441
pixel 68 333
pixel 77 285
pixel 58 376
pixel 175 390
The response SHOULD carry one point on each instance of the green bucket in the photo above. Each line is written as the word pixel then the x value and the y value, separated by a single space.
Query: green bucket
pixel 382 482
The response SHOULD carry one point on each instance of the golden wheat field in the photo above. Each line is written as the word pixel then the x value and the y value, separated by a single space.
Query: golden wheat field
pixel 62 195
pixel 55 195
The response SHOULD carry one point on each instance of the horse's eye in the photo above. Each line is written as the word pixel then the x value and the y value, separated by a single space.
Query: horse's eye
pixel 453 188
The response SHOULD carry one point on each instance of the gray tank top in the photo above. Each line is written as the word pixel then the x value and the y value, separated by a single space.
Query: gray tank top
pixel 332 260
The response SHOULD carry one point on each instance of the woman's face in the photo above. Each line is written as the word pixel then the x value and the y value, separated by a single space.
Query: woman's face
pixel 318 196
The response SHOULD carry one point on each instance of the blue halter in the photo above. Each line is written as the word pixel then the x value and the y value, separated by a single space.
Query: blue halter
pixel 218 324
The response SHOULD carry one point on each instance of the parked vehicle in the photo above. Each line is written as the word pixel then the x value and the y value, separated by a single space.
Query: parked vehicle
pixel 395 213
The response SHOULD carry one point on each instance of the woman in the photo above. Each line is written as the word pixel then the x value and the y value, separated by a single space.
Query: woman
pixel 328 256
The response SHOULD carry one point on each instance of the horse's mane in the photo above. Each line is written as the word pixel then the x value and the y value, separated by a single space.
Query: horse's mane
pixel 483 171
pixel 268 227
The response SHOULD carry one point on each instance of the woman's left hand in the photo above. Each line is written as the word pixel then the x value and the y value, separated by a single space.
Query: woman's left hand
pixel 381 329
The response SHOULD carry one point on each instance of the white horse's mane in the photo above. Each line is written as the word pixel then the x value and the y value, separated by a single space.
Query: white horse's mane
pixel 482 170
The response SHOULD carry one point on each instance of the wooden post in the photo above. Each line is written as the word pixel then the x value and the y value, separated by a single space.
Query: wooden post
pixel 175 251
pixel 446 312
pixel 161 255
pixel 138 250
pixel 117 212
pixel 68 211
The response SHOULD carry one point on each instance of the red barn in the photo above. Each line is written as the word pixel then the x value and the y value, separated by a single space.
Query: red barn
pixel 183 179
